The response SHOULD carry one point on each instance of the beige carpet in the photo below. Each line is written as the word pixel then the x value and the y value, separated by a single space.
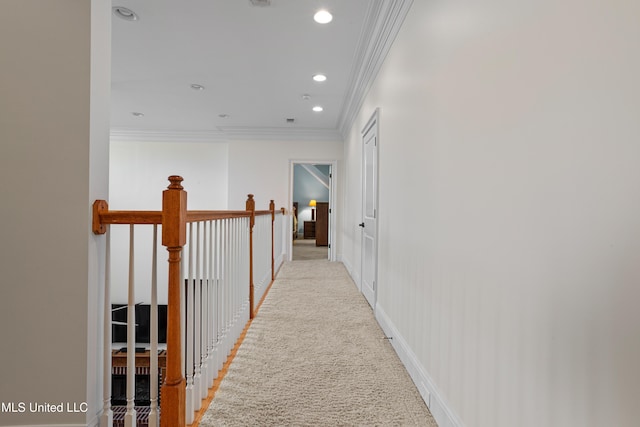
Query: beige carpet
pixel 315 356
pixel 305 249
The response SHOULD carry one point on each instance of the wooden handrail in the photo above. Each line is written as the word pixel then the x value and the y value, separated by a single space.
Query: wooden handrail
pixel 102 216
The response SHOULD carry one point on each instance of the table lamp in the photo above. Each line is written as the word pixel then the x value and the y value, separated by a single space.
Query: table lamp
pixel 312 203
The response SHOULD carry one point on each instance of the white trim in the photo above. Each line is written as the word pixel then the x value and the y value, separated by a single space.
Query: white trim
pixel 385 18
pixel 149 135
pixel 443 414
pixel 226 134
pixel 373 120
pixel 280 134
pixel 354 277
pixel 95 421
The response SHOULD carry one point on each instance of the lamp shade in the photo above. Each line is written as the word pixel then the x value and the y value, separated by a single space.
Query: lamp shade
pixel 312 203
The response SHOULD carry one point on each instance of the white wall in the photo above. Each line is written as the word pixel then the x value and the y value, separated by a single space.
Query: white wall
pixel 139 172
pixel 262 168
pixel 137 178
pixel 54 137
pixel 509 211
pixel 100 104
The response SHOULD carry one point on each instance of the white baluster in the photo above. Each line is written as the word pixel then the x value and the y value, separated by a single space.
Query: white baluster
pixel 245 268
pixel 230 280
pixel 154 416
pixel 130 415
pixel 234 283
pixel 189 403
pixel 204 301
pixel 106 419
pixel 197 321
pixel 204 336
pixel 236 288
pixel 223 290
pixel 217 308
pixel 183 310
pixel 210 348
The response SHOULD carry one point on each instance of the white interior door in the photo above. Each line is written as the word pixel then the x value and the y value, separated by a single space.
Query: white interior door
pixel 369 211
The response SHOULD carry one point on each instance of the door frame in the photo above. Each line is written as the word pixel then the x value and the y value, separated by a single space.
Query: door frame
pixel 373 122
pixel 332 250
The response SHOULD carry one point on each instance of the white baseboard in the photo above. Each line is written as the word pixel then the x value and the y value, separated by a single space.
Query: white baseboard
pixel 439 408
pixel 354 275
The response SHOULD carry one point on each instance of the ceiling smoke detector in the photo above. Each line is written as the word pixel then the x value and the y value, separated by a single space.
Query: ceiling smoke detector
pixel 261 2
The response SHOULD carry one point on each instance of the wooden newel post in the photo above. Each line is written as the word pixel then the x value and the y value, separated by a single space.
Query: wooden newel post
pixel 174 232
pixel 251 207
pixel 272 208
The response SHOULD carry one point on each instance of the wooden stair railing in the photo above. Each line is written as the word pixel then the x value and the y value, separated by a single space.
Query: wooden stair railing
pixel 174 218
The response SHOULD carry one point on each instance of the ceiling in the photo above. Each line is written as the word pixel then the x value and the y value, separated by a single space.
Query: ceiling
pixel 254 62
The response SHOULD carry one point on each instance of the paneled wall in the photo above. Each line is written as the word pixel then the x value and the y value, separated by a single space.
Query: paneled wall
pixel 509 215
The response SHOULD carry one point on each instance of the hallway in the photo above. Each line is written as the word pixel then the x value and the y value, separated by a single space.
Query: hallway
pixel 306 249
pixel 314 355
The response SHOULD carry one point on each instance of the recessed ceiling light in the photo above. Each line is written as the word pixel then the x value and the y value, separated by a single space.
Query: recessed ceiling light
pixel 135 113
pixel 317 108
pixel 319 77
pixel 322 17
pixel 124 13
pixel 196 86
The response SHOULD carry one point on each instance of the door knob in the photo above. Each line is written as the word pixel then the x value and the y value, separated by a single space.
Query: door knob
pixel 361 224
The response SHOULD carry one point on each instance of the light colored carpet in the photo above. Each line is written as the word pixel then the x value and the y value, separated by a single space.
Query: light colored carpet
pixel 305 249
pixel 315 356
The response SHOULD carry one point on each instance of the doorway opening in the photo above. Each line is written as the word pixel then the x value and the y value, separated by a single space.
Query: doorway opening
pixel 312 201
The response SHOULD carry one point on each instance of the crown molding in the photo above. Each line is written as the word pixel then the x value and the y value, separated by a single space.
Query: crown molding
pixel 280 133
pixel 385 17
pixel 226 134
pixel 153 135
